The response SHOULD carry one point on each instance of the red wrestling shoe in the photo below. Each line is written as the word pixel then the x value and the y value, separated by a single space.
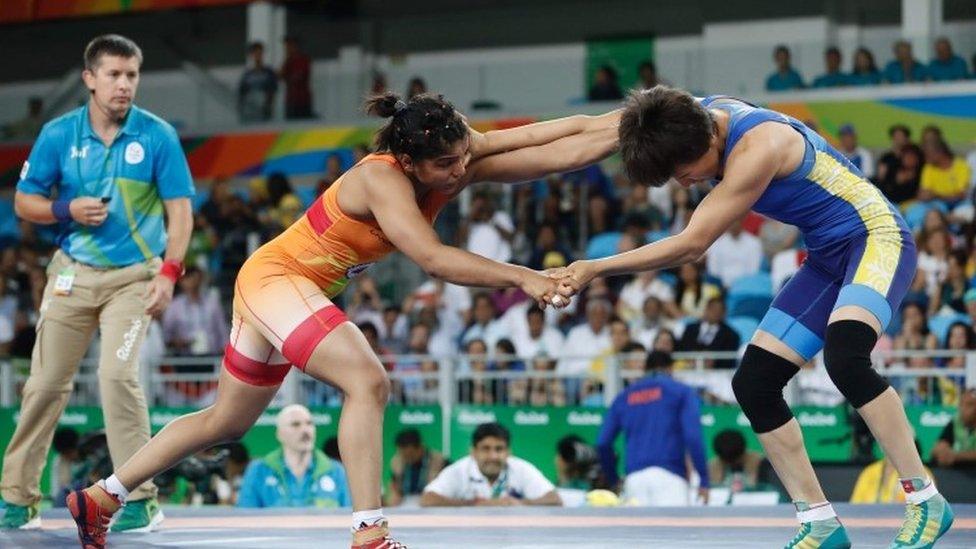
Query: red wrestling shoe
pixel 91 517
pixel 376 536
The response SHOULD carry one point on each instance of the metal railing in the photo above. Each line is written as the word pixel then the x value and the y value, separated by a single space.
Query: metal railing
pixel 449 380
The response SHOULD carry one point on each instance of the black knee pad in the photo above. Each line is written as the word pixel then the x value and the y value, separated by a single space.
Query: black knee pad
pixel 847 356
pixel 758 385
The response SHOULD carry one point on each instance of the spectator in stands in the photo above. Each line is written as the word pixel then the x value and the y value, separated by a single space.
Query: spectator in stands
pixel 865 71
pixel 417 86
pixel 538 338
pixel 960 337
pixel 506 357
pixel 692 291
pixel 484 324
pixel 194 323
pixel 956 446
pixel 333 171
pixel 585 341
pixel 734 255
pixel 393 330
pixel 257 88
pixel 477 390
pixel 661 422
pixel 490 476
pixel 900 168
pixel 681 208
pixel 284 205
pixel 227 212
pixel 904 68
pixel 711 334
pixel 489 231
pixel 549 251
pixel 879 483
pixel 785 77
pixel 538 390
pixel 412 467
pixel 858 155
pixel 647 73
pixel 931 134
pixel 934 258
pixel 651 320
pixel 296 72
pixel 833 77
pixel 228 486
pixel 634 355
pixel 734 466
pixel 605 85
pixel 372 335
pixel 29 126
pixel 946 65
pixel 945 176
pixel 664 341
pixel 297 474
pixel 914 334
pixel 634 295
pixel 949 297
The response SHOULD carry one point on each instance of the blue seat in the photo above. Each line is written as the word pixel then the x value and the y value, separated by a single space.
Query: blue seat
pixel 305 193
pixel 915 214
pixel 602 245
pixel 756 284
pixel 940 324
pixel 654 236
pixel 753 306
pixel 745 326
pixel 668 278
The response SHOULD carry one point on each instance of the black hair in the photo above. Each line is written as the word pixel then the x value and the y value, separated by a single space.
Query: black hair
pixel 647 64
pixel 832 50
pixel 237 452
pixel 422 127
pixel 256 45
pixel 729 444
pixel 408 437
pixel 110 44
pixel 534 310
pixel 657 360
pixel 660 129
pixel 900 128
pixel 872 67
pixel 278 187
pixel 65 439
pixel 486 430
pixel 781 48
pixel 633 347
pixel 368 327
pixel 970 335
pixel 506 345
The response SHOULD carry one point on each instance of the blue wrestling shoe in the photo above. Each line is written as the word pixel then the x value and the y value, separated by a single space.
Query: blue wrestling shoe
pixel 925 522
pixel 825 533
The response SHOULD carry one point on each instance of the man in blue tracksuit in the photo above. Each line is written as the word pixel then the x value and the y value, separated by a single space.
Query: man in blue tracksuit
pixel 660 419
pixel 297 474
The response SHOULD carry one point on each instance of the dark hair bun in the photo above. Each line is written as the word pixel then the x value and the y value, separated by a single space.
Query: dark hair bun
pixel 382 104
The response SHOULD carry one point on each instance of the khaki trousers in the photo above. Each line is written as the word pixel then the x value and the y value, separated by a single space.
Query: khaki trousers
pixel 112 300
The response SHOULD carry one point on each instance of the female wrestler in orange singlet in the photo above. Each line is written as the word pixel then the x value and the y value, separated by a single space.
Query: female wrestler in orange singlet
pixel 283 313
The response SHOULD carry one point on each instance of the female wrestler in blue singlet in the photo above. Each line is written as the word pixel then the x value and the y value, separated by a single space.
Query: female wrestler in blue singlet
pixel 861 262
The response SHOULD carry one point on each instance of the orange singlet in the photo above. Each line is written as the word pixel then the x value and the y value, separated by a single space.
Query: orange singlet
pixel 283 290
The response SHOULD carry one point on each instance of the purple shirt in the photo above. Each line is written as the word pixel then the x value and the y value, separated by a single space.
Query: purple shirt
pixel 199 324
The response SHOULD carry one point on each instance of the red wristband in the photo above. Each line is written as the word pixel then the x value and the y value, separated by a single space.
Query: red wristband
pixel 172 269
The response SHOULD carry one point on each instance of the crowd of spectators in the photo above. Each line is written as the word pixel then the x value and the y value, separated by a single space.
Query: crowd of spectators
pixel 944 66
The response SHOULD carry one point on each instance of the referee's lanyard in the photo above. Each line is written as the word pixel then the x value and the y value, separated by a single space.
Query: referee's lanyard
pixel 501 486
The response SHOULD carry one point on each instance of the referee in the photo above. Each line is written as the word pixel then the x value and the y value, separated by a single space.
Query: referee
pixel 105 173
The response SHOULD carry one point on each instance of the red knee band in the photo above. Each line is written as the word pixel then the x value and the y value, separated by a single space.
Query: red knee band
pixel 253 372
pixel 302 341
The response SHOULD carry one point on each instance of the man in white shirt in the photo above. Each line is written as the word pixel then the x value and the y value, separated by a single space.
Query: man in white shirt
pixel 586 341
pixel 490 476
pixel 490 233
pixel 538 339
pixel 859 156
pixel 735 254
pixel 635 293
pixel 484 326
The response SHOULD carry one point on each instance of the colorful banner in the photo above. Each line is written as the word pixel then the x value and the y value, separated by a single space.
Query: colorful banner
pixel 955 115
pixel 21 11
